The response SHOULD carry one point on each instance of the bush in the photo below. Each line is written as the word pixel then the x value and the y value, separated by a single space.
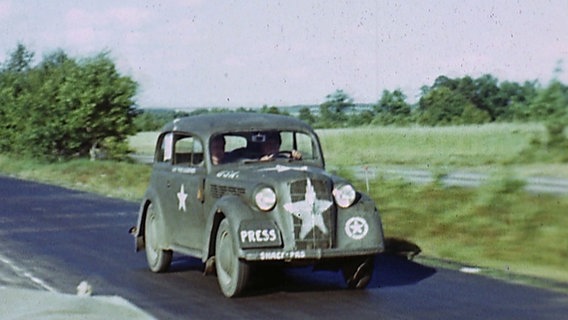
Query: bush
pixel 69 107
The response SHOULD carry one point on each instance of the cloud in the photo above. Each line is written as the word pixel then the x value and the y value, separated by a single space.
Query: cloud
pixel 5 9
pixel 196 52
pixel 103 28
pixel 128 17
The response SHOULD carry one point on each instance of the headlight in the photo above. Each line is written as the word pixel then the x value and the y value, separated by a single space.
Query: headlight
pixel 265 198
pixel 344 195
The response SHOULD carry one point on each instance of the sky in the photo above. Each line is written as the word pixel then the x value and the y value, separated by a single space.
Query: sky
pixel 199 53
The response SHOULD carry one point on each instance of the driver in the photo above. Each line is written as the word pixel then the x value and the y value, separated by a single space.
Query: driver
pixel 271 146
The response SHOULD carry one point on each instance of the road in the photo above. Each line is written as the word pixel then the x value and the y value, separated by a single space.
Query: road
pixel 52 238
pixel 548 185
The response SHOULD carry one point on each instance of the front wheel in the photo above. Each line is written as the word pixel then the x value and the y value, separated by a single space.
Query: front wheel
pixel 158 259
pixel 232 273
pixel 357 272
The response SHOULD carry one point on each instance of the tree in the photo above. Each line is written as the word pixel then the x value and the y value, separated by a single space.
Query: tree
pixel 306 115
pixel 551 106
pixel 550 102
pixel 100 103
pixel 487 97
pixel 66 108
pixel 20 60
pixel 392 108
pixel 16 96
pixel 339 101
pixel 443 81
pixel 517 99
pixel 332 111
pixel 361 118
pixel 484 99
pixel 442 106
pixel 273 110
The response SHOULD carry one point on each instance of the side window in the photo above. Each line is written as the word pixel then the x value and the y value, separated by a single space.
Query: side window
pixel 164 150
pixel 298 141
pixel 305 145
pixel 188 151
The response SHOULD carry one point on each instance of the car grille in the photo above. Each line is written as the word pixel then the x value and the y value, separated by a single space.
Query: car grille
pixel 315 238
pixel 217 191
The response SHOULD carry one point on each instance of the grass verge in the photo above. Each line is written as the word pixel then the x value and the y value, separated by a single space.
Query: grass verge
pixel 497 226
pixel 115 179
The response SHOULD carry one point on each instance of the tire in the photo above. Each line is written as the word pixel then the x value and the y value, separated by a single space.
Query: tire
pixel 158 259
pixel 232 273
pixel 357 273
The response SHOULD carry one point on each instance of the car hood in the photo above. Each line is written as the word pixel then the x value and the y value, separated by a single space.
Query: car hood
pixel 291 183
pixel 271 174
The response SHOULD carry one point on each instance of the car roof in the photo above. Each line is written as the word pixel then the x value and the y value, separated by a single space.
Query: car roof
pixel 209 124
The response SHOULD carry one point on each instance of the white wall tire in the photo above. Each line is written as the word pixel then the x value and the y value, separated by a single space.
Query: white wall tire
pixel 232 273
pixel 158 259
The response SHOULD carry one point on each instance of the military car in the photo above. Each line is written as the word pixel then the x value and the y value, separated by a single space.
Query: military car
pixel 245 189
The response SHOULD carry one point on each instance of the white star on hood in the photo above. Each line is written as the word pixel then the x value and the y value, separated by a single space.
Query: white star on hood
pixel 309 211
pixel 181 198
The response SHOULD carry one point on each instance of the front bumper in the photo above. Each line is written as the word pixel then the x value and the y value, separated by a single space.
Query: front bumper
pixel 307 255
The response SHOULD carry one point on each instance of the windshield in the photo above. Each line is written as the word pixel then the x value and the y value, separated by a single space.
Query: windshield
pixel 262 146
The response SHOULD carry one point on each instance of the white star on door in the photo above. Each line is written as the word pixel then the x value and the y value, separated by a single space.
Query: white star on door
pixel 309 211
pixel 182 196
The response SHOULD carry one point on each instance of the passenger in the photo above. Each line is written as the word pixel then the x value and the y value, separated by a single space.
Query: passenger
pixel 217 149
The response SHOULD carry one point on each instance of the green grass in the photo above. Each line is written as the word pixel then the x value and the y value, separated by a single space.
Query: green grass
pixel 115 179
pixel 464 146
pixel 497 226
pixel 143 142
pixel 486 148
pixel 493 148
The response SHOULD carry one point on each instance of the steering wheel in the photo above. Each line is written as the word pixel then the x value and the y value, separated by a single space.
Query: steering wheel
pixel 284 154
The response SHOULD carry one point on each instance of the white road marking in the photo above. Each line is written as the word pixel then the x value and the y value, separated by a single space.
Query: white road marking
pixel 26 274
pixel 470 270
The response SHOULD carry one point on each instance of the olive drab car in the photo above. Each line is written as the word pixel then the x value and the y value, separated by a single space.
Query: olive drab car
pixel 239 189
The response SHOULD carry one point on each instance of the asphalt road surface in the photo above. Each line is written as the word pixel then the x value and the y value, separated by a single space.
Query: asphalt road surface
pixel 52 238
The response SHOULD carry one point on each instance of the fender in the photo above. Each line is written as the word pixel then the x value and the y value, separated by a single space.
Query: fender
pixel 149 197
pixel 229 207
pixel 364 203
pixel 363 208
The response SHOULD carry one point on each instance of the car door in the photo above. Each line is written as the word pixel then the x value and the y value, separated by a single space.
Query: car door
pixel 162 181
pixel 186 181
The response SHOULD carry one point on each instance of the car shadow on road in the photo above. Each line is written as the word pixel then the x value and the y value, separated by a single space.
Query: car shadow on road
pixel 393 268
pixel 390 270
pixel 181 263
